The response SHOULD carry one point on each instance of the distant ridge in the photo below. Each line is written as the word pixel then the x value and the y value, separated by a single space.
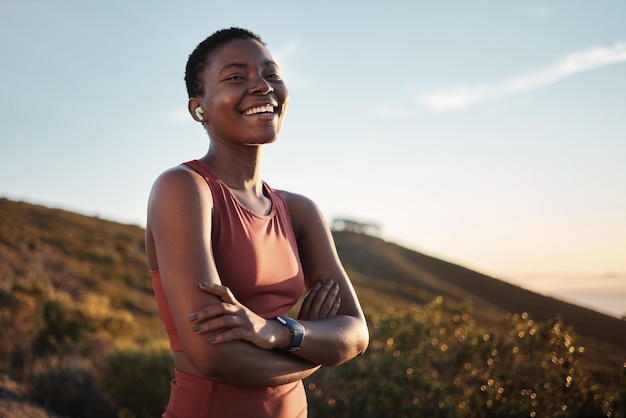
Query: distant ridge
pixel 371 259
pixel 79 251
pixel 51 257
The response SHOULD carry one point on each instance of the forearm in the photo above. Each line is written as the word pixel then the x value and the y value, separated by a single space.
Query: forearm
pixel 333 341
pixel 241 363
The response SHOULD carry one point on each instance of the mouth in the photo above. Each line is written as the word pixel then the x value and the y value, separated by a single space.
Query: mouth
pixel 267 109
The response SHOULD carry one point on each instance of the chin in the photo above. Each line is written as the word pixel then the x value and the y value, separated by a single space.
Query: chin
pixel 267 138
pixel 263 141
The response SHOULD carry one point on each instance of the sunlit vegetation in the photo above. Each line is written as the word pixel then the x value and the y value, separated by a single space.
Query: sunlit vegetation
pixel 424 362
pixel 80 335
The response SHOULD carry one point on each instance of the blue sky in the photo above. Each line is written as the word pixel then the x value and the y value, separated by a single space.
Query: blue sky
pixel 488 133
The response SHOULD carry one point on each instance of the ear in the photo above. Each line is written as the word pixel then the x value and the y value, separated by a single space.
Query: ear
pixel 195 110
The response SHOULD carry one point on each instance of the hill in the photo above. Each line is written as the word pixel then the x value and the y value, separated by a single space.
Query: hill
pixel 87 253
pixel 386 274
pixel 390 269
pixel 75 253
pixel 96 261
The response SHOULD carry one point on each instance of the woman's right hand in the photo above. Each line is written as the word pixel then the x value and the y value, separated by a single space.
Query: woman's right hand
pixel 230 320
pixel 321 302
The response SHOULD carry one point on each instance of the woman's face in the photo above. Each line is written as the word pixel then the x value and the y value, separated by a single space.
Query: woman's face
pixel 244 98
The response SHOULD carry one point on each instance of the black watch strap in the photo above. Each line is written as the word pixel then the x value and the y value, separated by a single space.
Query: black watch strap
pixel 297 332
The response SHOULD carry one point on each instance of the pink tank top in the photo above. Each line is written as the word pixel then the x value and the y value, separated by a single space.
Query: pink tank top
pixel 256 255
pixel 257 258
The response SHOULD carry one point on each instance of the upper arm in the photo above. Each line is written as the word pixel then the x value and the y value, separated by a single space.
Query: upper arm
pixel 317 250
pixel 179 245
pixel 178 242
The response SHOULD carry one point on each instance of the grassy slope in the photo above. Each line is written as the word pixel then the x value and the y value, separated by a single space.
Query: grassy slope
pixel 387 274
pixel 78 253
pixel 375 260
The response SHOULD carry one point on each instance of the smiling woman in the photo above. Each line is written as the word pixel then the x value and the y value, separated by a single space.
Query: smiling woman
pixel 230 256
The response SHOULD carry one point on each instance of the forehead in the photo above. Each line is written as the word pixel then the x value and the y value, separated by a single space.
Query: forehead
pixel 238 51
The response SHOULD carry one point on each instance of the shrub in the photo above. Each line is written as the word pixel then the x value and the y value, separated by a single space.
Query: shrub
pixel 139 381
pixel 422 363
pixel 76 325
pixel 70 391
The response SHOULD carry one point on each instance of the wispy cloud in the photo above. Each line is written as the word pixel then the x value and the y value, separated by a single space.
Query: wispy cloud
pixel 293 78
pixel 464 96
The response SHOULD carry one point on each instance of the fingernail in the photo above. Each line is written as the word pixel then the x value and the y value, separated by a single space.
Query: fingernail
pixel 204 284
pixel 195 328
pixel 336 286
pixel 211 339
pixel 338 301
pixel 330 280
pixel 192 317
pixel 317 285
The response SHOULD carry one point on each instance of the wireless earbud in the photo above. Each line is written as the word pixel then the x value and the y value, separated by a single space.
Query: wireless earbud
pixel 199 113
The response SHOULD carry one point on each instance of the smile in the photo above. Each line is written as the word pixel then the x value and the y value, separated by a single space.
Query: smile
pixel 260 109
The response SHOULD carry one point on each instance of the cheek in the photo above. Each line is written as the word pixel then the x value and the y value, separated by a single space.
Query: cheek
pixel 283 93
pixel 222 106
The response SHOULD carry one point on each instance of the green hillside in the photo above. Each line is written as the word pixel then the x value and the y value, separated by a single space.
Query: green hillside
pixel 77 309
pixel 403 274
pixel 387 274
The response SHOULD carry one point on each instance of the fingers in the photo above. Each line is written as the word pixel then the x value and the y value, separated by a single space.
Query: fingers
pixel 228 307
pixel 335 308
pixel 322 301
pixel 222 292
pixel 330 301
pixel 229 320
pixel 214 317
pixel 308 299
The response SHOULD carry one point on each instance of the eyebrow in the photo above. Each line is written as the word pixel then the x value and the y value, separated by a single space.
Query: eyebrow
pixel 264 63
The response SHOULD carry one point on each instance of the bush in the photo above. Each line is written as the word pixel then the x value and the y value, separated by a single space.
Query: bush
pixel 139 381
pixel 421 363
pixel 70 391
pixel 76 325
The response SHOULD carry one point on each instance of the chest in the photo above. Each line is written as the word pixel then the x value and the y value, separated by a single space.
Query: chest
pixel 257 258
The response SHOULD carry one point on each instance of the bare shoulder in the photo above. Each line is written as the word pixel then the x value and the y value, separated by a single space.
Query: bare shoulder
pixel 179 206
pixel 179 183
pixel 304 212
pixel 301 208
pixel 297 203
pixel 179 191
pixel 176 177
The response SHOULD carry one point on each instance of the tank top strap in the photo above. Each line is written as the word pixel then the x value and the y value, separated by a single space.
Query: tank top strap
pixel 200 169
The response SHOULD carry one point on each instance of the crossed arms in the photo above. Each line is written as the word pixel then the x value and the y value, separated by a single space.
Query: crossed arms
pixel 224 340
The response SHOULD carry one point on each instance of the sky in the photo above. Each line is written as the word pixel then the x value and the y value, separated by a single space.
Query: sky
pixel 490 134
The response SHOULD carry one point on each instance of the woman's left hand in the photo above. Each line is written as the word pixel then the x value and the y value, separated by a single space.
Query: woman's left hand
pixel 321 302
pixel 230 321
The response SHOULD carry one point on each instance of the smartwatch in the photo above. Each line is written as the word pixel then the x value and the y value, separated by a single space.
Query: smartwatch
pixel 297 332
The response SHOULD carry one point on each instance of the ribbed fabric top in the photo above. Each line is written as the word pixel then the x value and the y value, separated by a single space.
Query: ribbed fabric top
pixel 256 255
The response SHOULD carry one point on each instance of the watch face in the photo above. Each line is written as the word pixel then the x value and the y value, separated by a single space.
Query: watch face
pixel 296 329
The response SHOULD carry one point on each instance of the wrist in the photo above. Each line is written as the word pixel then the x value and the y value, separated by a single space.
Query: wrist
pixel 295 336
pixel 282 335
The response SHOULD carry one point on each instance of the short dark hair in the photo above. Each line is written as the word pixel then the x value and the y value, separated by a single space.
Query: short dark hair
pixel 198 59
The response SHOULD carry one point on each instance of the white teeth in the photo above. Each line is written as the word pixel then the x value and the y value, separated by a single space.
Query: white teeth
pixel 261 109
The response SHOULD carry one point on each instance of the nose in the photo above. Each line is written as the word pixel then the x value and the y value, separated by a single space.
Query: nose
pixel 261 86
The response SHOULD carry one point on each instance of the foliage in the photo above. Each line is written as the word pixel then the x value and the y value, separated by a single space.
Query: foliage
pixel 139 380
pixel 421 362
pixel 76 323
pixel 79 328
pixel 71 391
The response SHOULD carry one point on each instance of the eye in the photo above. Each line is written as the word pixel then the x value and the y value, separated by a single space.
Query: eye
pixel 236 77
pixel 273 76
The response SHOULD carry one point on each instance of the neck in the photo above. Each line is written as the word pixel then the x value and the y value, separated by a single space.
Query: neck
pixel 239 169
